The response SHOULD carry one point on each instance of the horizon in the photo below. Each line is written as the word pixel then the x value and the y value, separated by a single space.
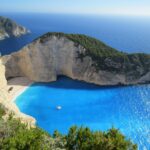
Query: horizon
pixel 84 7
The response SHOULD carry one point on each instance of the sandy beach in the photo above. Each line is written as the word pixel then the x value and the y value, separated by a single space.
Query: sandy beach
pixel 14 88
pixel 18 85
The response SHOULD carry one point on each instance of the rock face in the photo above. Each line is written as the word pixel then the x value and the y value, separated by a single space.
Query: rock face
pixel 49 56
pixel 6 97
pixel 9 28
pixel 3 81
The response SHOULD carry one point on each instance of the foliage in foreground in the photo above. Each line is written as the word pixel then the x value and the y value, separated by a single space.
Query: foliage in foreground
pixel 16 136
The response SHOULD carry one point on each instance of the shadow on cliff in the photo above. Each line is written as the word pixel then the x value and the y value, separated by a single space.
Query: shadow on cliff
pixel 64 82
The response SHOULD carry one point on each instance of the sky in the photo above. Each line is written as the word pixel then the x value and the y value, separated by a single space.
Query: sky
pixel 113 7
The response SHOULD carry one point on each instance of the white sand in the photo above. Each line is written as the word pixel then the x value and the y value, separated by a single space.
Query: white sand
pixel 17 86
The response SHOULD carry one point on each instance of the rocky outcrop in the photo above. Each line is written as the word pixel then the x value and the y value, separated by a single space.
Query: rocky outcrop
pixel 9 28
pixel 52 55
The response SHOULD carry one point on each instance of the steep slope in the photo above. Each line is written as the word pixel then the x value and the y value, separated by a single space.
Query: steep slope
pixel 79 57
pixel 9 28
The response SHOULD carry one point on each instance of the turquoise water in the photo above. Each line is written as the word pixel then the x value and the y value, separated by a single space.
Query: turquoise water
pixel 100 108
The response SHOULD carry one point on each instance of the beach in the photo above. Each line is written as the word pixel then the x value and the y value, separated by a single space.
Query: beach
pixel 14 88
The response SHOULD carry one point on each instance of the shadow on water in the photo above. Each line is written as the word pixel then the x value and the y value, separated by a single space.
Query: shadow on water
pixel 64 82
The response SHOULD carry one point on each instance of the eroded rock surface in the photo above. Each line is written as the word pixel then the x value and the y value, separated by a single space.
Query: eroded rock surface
pixel 44 59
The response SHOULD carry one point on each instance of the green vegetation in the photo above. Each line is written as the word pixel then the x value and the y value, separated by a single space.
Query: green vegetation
pixel 16 136
pixel 85 139
pixel 2 112
pixel 107 58
pixel 2 32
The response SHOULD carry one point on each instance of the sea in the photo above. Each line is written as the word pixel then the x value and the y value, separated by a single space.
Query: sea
pixel 128 34
pixel 99 108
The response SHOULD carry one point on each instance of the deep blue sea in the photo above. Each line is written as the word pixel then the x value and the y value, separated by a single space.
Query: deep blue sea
pixel 129 34
pixel 100 108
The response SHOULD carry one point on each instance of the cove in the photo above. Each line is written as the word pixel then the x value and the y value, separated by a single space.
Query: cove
pixel 83 104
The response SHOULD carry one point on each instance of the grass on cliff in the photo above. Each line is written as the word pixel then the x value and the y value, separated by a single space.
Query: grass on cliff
pixel 16 136
pixel 2 112
pixel 105 57
pixel 2 32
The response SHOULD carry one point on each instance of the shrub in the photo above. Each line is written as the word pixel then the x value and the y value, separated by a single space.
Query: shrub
pixel 16 136
pixel 84 139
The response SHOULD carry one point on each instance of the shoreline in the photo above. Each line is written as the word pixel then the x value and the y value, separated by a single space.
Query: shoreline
pixel 18 86
pixel 20 92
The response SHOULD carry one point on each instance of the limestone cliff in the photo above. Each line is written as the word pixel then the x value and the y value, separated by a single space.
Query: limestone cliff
pixel 3 81
pixel 9 28
pixel 6 97
pixel 78 57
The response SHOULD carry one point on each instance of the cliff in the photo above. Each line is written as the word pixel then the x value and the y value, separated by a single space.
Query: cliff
pixel 9 28
pixel 7 97
pixel 78 57
pixel 3 81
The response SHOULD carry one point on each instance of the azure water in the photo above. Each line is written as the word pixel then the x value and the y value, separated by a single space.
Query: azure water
pixel 82 104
